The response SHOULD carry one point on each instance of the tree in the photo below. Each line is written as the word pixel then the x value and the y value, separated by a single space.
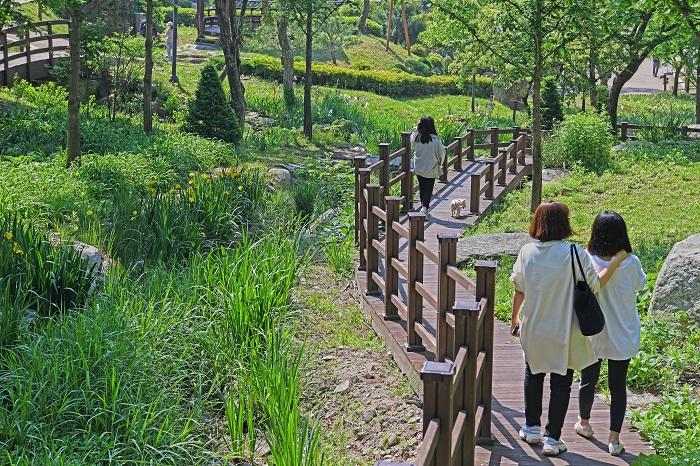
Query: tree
pixel 210 115
pixel 362 23
pixel 404 20
pixel 389 23
pixel 287 58
pixel 148 71
pixel 10 12
pixel 335 35
pixel 231 32
pixel 689 11
pixel 523 38
pixel 552 111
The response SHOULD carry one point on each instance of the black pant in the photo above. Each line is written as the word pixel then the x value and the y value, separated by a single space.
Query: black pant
pixel 426 186
pixel 617 382
pixel 559 393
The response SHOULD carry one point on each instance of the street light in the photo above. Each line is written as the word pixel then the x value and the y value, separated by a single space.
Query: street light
pixel 173 77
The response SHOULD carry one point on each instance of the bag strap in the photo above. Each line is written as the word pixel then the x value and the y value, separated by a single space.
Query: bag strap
pixel 574 251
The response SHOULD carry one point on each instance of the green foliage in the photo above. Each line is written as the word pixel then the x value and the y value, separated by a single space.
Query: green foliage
pixel 603 95
pixel 185 16
pixel 210 114
pixel 380 82
pixel 340 254
pixel 552 110
pixel 38 275
pixel 373 28
pixel 684 459
pixel 415 66
pixel 584 139
pixel 420 50
pixel 483 86
pixel 663 112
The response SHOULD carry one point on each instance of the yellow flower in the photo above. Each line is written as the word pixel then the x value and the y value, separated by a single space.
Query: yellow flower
pixel 8 235
pixel 191 199
pixel 190 182
pixel 152 190
pixel 17 250
pixel 205 176
pixel 177 186
pixel 240 188
pixel 192 174
pixel 89 213
pixel 135 213
pixel 227 193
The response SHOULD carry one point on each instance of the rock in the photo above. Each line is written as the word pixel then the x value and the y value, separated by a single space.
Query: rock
pixel 550 175
pixel 259 123
pixel 96 261
pixel 328 357
pixel 392 440
pixel 280 176
pixel 491 245
pixel 678 284
pixel 368 415
pixel 342 387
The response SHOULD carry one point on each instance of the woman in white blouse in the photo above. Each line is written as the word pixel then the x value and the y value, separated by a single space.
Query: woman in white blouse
pixel 428 156
pixel 620 339
pixel 543 312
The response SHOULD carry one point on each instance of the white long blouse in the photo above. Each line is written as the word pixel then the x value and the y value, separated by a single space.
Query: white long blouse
pixel 427 158
pixel 549 330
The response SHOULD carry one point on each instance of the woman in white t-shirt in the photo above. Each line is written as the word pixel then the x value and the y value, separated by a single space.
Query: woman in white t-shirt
pixel 543 310
pixel 619 340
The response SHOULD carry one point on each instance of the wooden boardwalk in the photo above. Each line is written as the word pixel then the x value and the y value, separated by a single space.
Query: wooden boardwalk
pixel 508 369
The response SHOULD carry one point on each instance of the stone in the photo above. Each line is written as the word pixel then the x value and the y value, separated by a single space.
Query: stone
pixel 259 123
pixel 368 415
pixel 342 387
pixel 279 176
pixel 678 283
pixel 392 440
pixel 96 261
pixel 491 245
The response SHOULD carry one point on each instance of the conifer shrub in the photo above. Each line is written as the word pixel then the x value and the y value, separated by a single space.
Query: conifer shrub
pixel 552 111
pixel 210 114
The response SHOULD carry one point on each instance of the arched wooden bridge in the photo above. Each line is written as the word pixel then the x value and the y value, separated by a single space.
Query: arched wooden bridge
pixel 28 51
pixel 439 322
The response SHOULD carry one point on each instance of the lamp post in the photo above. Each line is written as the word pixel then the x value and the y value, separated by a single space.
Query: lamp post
pixel 173 76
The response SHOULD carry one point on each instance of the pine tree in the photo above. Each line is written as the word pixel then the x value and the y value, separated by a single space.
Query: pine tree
pixel 210 114
pixel 552 110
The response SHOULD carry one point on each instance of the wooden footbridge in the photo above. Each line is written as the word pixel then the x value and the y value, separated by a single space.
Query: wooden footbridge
pixel 439 321
pixel 28 51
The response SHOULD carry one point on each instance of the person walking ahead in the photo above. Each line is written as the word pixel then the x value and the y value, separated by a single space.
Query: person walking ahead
pixel 169 40
pixel 620 339
pixel 549 332
pixel 428 156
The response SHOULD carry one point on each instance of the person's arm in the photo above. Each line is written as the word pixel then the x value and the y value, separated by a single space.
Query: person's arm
pixel 606 274
pixel 518 298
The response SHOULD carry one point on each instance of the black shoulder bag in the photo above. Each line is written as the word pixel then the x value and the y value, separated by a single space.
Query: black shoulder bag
pixel 590 316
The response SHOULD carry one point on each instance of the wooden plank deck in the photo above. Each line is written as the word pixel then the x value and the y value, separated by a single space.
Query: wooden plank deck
pixel 509 366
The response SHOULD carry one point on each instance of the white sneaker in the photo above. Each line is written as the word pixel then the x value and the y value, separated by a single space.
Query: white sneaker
pixel 531 434
pixel 584 431
pixel 424 210
pixel 553 447
pixel 615 448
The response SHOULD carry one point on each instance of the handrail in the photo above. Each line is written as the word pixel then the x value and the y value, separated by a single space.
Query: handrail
pixel 426 454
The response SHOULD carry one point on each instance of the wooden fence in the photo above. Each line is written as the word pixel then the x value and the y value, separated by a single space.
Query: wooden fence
pixel 629 131
pixel 22 37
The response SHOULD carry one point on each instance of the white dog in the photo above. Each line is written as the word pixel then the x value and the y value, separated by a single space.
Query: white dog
pixel 456 207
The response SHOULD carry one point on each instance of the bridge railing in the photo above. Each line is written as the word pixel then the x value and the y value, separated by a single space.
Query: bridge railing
pixel 630 131
pixel 26 38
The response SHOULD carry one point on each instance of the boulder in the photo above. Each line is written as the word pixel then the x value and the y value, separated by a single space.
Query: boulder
pixel 279 176
pixel 491 245
pixel 96 261
pixel 678 284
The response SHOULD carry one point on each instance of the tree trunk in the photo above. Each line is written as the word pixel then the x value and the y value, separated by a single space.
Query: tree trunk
pixel 73 136
pixel 592 80
pixel 473 92
pixel 362 24
pixel 389 23
pixel 686 81
pixel 697 95
pixel 333 57
pixel 406 35
pixel 619 82
pixel 676 80
pixel 308 124
pixel 148 71
pixel 287 58
pixel 230 35
pixel 537 109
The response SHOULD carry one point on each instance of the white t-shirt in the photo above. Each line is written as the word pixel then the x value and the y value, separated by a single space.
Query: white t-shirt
pixel 427 158
pixel 549 331
pixel 619 339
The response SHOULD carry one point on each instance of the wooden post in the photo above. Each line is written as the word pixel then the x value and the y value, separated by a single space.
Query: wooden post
pixel 475 196
pixel 49 31
pixel 466 321
pixel 447 255
pixel 364 174
pixel 407 181
pixel 384 170
pixel 513 155
pixel 391 245
pixel 494 142
pixel 416 231
pixel 5 60
pixel 359 162
pixel 489 179
pixel 470 144
pixel 623 131
pixel 516 132
pixel 458 150
pixel 27 43
pixel 437 404
pixel 445 169
pixel 684 132
pixel 486 288
pixel 502 172
pixel 522 150
pixel 373 200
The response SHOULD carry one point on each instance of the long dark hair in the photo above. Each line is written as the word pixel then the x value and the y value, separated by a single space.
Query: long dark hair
pixel 609 235
pixel 426 129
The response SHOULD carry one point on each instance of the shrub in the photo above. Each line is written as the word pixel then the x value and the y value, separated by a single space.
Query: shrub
pixel 603 95
pixel 361 65
pixel 380 82
pixel 185 16
pixel 437 62
pixel 583 138
pixel 552 110
pixel 420 50
pixel 373 28
pixel 210 115
pixel 483 87
pixel 418 67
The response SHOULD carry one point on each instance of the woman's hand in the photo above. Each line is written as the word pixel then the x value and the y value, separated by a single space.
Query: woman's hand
pixel 515 326
pixel 620 256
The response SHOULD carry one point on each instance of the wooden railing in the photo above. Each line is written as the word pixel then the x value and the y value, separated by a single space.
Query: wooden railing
pixel 486 172
pixel 629 131
pixel 26 35
pixel 457 384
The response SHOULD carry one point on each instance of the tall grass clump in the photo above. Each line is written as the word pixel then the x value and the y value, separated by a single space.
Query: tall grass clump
pixel 663 112
pixel 584 139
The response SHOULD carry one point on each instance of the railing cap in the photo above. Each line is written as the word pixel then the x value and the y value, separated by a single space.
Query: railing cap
pixel 448 236
pixel 437 371
pixel 391 463
pixel 393 198
pixel 486 264
pixel 360 157
pixel 417 215
pixel 466 306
